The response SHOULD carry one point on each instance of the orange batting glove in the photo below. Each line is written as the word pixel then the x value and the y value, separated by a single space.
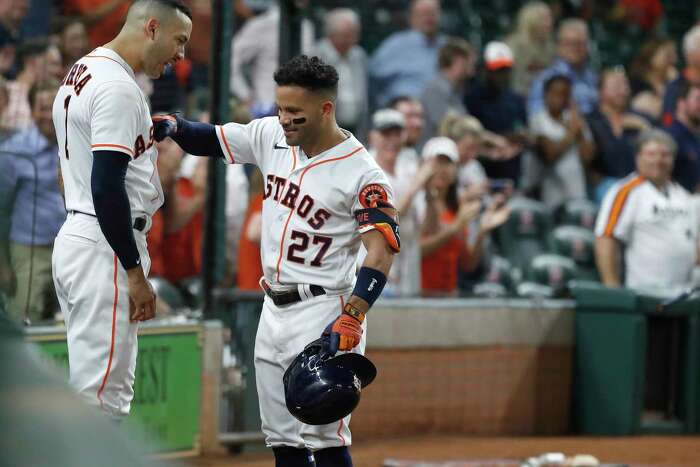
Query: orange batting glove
pixel 345 332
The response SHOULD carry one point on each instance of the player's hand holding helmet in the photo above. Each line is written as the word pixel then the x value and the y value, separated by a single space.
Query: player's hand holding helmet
pixel 345 332
pixel 164 126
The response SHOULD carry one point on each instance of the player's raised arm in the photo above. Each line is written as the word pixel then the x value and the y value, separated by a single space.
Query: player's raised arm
pixel 196 138
pixel 233 142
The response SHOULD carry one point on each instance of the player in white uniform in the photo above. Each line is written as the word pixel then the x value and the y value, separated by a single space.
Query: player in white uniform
pixel 324 194
pixel 108 165
pixel 655 219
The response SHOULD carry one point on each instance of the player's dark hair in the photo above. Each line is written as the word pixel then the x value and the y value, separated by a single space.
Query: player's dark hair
pixel 31 48
pixel 554 79
pixel 172 4
pixel 50 85
pixel 310 73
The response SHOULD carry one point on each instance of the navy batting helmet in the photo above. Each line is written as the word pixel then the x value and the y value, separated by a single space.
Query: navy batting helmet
pixel 320 388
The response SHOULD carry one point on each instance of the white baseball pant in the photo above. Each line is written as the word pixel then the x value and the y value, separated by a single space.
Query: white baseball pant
pixel 92 290
pixel 282 334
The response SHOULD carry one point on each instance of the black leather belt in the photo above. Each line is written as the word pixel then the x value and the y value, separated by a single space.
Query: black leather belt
pixel 139 223
pixel 287 297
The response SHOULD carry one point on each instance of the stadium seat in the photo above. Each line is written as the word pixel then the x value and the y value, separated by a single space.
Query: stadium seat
pixel 498 279
pixel 167 292
pixel 580 212
pixel 524 234
pixel 551 270
pixel 576 243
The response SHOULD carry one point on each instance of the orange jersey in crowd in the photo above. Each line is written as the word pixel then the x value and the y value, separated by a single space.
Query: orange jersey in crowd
pixel 439 270
pixel 107 28
pixel 177 255
pixel 249 262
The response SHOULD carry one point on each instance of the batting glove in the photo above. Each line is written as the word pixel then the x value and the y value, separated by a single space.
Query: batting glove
pixel 344 333
pixel 164 126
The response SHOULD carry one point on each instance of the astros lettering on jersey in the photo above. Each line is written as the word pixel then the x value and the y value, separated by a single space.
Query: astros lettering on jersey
pixel 310 234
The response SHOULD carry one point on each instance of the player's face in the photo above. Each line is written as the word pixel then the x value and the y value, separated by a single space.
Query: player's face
pixel 42 113
pixel 166 43
pixel 655 162
pixel 301 114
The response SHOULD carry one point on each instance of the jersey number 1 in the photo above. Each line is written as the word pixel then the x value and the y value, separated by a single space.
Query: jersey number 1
pixel 65 106
pixel 303 244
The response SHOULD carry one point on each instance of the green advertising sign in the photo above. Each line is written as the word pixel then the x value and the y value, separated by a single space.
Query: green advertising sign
pixel 167 391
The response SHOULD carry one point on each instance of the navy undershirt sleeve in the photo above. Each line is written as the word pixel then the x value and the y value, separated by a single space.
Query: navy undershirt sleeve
pixel 112 208
pixel 198 139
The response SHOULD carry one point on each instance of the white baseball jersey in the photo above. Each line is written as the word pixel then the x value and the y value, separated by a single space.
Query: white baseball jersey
pixel 659 229
pixel 310 234
pixel 99 106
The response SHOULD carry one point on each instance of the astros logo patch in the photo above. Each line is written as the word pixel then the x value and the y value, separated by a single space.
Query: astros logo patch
pixel 374 196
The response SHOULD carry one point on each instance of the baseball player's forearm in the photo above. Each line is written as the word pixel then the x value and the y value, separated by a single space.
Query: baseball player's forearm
pixel 112 206
pixel 196 138
pixel 607 259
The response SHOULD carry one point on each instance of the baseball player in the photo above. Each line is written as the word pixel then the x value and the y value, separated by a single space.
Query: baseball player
pixel 323 195
pixel 108 164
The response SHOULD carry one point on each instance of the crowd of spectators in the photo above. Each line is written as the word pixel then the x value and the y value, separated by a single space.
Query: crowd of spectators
pixel 461 129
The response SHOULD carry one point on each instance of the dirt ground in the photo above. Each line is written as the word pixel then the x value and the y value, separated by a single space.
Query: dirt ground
pixel 637 451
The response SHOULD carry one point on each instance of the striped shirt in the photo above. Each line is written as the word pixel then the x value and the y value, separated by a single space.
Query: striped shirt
pixel 659 229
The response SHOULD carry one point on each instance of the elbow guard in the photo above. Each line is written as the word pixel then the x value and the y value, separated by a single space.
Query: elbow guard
pixel 376 219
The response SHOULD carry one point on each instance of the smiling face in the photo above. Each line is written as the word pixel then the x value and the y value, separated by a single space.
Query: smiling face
pixel 655 162
pixel 166 39
pixel 302 113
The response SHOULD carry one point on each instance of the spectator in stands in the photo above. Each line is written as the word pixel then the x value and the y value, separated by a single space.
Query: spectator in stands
pixel 256 46
pixel 651 71
pixel 103 18
pixel 445 92
pixel 12 14
pixel 444 232
pixel 615 130
pixel 572 62
pixel 31 202
pixel 32 57
pixel 467 132
pixel 690 74
pixel 532 44
pixel 685 130
pixel 501 111
pixel 405 62
pixel 54 63
pixel 414 115
pixel 386 142
pixel 563 143
pixel 648 223
pixel 72 40
pixel 340 49
pixel 249 260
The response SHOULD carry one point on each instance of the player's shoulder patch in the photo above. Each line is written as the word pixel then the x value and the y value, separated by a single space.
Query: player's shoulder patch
pixel 374 195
